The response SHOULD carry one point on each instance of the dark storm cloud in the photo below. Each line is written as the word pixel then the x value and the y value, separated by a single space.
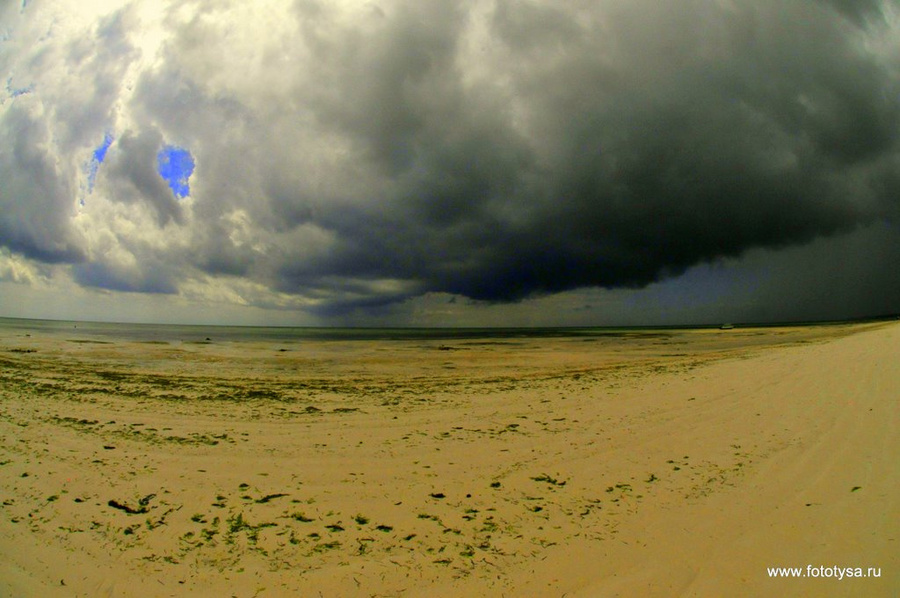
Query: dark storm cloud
pixel 808 282
pixel 623 146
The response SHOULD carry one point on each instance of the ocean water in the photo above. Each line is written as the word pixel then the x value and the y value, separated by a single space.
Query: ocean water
pixel 203 333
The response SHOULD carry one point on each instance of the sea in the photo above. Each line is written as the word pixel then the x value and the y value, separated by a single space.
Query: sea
pixel 221 333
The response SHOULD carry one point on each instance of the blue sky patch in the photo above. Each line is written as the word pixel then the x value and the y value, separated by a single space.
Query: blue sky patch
pixel 100 152
pixel 97 160
pixel 176 165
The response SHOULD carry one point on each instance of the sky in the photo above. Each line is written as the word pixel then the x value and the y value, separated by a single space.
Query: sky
pixel 449 163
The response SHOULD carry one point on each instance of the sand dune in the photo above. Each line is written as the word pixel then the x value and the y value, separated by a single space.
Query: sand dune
pixel 653 464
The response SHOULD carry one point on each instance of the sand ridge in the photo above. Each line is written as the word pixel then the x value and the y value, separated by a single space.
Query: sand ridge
pixel 656 463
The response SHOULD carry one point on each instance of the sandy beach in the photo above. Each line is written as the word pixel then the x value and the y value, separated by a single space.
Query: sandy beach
pixel 656 463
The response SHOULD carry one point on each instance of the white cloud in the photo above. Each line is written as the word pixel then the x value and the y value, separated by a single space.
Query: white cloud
pixel 14 268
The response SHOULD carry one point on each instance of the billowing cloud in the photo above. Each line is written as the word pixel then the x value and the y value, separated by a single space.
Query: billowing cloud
pixel 134 177
pixel 36 205
pixel 356 155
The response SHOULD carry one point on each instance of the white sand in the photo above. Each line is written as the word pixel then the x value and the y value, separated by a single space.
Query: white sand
pixel 648 465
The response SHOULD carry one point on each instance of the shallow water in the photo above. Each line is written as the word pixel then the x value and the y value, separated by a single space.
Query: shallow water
pixel 204 333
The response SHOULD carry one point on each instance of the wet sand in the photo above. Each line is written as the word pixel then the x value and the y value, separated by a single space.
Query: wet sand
pixel 657 463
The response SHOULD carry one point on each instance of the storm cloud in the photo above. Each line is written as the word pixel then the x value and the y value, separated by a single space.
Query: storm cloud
pixel 357 155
